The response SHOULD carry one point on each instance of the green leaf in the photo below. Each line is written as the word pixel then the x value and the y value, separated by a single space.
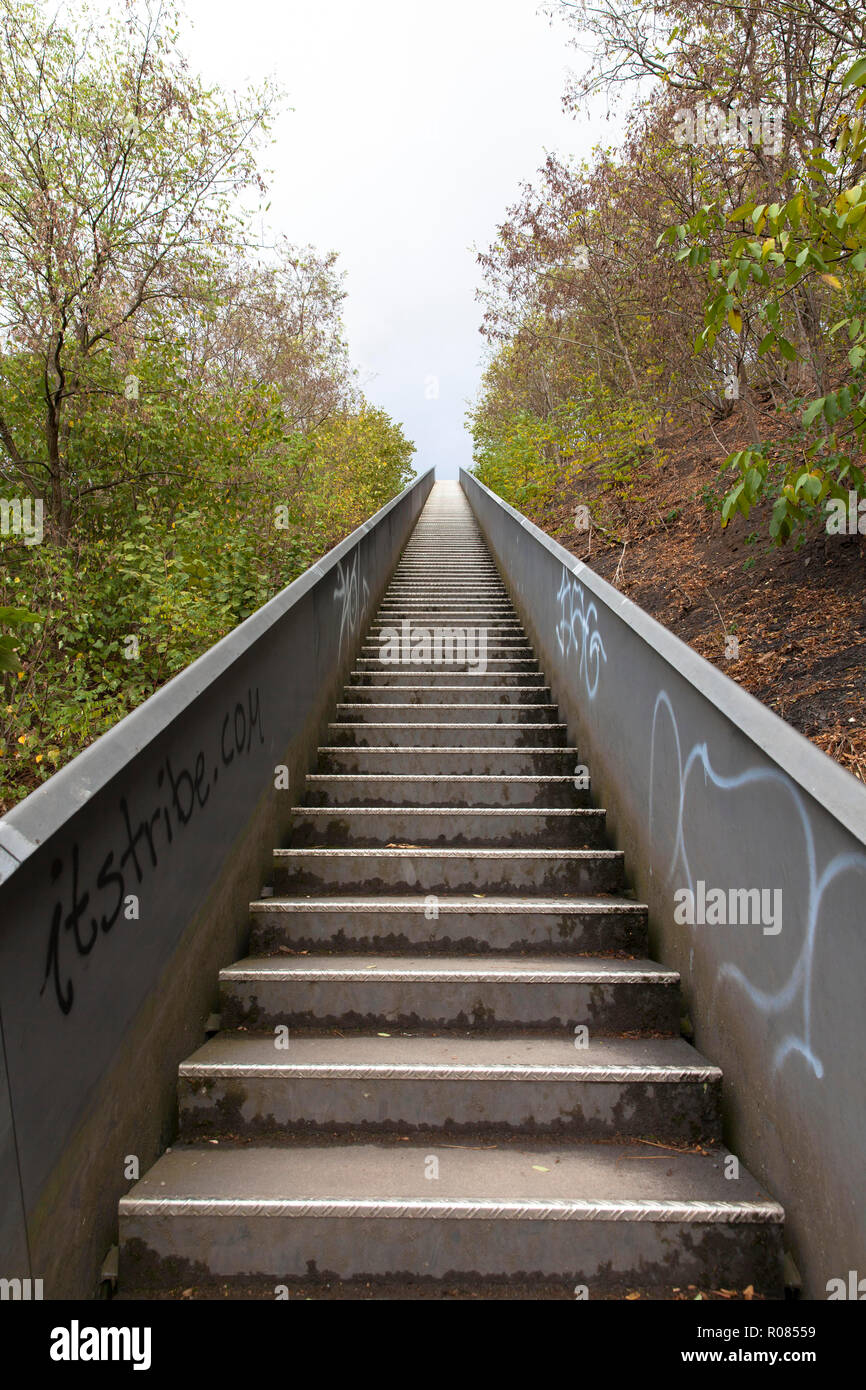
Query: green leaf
pixel 855 76
pixel 8 658
pixel 14 617
pixel 732 503
pixel 752 484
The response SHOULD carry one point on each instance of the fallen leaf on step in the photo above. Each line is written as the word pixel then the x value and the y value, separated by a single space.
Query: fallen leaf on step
pixel 749 1291
pixel 637 1295
pixel 538 1168
pixel 383 1035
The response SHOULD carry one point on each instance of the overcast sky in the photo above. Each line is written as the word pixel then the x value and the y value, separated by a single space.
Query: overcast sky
pixel 412 127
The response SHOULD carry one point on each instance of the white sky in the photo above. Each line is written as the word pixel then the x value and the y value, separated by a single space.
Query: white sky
pixel 412 127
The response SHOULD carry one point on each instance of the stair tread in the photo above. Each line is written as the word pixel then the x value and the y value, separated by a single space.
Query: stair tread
pixel 536 969
pixel 468 852
pixel 368 726
pixel 435 777
pixel 559 749
pixel 615 1059
pixel 445 903
pixel 581 1181
pixel 587 812
pixel 440 689
pixel 468 706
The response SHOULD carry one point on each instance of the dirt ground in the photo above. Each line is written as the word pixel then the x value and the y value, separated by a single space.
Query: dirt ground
pixel 798 614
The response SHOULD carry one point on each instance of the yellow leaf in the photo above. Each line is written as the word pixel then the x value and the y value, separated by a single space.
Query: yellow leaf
pixel 832 280
pixel 735 320
pixel 538 1168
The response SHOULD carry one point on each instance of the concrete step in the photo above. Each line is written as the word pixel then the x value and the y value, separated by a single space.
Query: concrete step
pixel 420 588
pixel 492 665
pixel 460 792
pixel 465 612
pixel 593 1216
pixel 395 610
pixel 242 1085
pixel 496 618
pixel 389 677
pixel 446 712
pixel 450 735
pixel 451 694
pixel 474 658
pixel 450 761
pixel 551 994
pixel 450 572
pixel 478 581
pixel 448 924
pixel 543 872
pixel 371 826
pixel 472 648
pixel 412 629
pixel 467 581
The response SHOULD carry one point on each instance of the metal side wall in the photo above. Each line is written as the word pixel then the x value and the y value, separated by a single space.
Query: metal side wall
pixel 125 883
pixel 704 785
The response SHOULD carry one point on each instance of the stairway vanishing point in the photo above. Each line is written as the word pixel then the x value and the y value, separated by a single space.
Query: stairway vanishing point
pixel 447 1066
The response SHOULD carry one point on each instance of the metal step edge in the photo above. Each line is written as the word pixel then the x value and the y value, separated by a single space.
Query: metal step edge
pixel 574 1209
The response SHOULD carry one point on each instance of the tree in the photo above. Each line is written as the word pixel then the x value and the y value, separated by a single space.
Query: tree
pixel 119 179
pixel 762 259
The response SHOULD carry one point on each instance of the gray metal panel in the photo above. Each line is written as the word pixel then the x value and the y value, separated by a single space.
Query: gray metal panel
pixel 155 809
pixel 15 1260
pixel 703 784
pixel 345 569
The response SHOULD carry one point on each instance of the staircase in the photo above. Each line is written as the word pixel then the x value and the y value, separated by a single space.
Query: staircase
pixel 447 1066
